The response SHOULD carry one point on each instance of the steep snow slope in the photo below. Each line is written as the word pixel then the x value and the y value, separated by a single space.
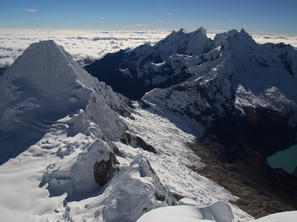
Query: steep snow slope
pixel 43 85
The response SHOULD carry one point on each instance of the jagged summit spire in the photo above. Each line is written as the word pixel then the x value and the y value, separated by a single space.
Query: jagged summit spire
pixel 242 30
pixel 192 43
pixel 181 30
pixel 233 35
pixel 201 30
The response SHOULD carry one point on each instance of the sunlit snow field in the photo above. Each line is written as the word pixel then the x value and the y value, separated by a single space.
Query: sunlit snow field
pixel 87 45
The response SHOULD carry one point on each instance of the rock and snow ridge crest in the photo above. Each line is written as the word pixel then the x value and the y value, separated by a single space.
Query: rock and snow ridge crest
pixel 257 72
pixel 146 66
pixel 238 74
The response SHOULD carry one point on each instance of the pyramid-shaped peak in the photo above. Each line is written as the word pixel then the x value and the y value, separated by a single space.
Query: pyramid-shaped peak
pixel 45 80
pixel 243 31
pixel 47 65
pixel 231 35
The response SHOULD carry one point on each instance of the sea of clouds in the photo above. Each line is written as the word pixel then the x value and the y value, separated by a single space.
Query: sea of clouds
pixel 88 45
pixel 83 45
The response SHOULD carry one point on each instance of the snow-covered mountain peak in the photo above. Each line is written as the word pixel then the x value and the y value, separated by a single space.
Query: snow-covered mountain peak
pixel 233 37
pixel 45 64
pixel 45 84
pixel 192 43
pixel 181 30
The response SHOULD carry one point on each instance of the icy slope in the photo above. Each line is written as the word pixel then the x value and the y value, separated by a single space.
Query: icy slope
pixel 173 161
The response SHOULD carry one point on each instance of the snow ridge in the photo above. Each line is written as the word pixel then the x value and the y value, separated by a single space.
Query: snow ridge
pixel 248 75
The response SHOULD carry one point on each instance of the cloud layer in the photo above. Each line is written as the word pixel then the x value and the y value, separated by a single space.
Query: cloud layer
pixel 88 45
pixel 83 45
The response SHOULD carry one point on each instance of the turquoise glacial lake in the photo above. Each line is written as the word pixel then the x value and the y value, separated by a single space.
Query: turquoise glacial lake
pixel 286 159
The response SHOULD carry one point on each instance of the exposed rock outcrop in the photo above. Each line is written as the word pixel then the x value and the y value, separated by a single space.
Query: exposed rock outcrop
pixel 105 169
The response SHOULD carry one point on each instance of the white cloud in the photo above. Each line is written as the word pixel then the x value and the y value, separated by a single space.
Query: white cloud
pixel 83 45
pixel 31 10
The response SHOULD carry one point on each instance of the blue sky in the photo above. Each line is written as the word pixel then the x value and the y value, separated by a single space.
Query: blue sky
pixel 277 16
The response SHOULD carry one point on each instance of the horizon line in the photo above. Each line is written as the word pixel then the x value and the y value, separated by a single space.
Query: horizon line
pixel 210 31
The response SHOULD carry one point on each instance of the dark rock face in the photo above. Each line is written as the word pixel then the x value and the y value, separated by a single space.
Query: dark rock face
pixel 104 170
pixel 137 141
pixel 132 86
pixel 263 131
pixel 107 70
pixel 2 70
